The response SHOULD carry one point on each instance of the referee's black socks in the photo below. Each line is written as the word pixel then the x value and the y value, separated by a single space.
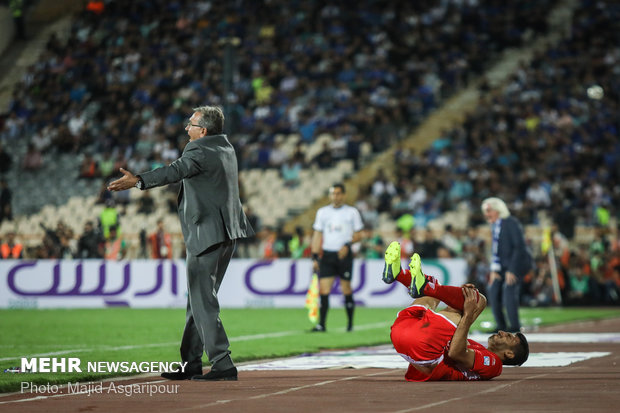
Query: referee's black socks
pixel 323 310
pixel 349 305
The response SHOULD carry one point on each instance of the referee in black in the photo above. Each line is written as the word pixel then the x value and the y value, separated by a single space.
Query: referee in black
pixel 336 227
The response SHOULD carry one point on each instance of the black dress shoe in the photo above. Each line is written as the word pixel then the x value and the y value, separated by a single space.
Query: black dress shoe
pixel 216 375
pixel 179 375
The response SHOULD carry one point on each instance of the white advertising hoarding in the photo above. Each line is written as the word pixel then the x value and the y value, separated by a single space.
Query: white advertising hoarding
pixel 154 283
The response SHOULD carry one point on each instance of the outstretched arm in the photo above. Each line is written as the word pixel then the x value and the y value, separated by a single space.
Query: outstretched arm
pixel 127 181
pixel 192 161
pixel 473 306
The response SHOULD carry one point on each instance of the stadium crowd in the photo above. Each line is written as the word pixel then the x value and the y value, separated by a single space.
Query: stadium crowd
pixel 541 142
pixel 118 89
pixel 120 85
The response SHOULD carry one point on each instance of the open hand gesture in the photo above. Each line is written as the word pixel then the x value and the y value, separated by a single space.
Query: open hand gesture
pixel 128 180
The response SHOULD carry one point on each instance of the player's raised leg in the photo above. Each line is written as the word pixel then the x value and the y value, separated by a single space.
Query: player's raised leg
pixel 393 272
pixel 418 279
pixel 392 268
pixel 425 285
pixel 414 275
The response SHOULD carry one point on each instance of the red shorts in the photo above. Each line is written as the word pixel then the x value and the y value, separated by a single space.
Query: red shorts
pixel 421 335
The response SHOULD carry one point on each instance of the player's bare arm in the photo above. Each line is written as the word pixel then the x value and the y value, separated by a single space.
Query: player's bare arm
pixel 315 248
pixel 357 237
pixel 473 306
pixel 344 251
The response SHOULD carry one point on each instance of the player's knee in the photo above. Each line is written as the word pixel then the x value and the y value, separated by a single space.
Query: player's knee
pixel 345 286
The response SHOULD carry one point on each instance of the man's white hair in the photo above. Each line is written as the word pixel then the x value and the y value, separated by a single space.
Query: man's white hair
pixel 496 204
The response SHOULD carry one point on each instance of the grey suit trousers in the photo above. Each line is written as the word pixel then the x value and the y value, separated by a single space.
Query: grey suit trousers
pixel 502 295
pixel 203 327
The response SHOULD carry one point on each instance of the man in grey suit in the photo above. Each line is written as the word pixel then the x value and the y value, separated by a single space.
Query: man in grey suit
pixel 510 262
pixel 212 219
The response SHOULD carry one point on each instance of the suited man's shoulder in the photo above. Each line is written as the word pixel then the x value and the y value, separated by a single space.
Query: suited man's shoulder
pixel 210 141
pixel 512 222
pixel 208 144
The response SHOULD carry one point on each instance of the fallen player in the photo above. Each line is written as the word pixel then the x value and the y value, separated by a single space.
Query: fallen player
pixel 435 343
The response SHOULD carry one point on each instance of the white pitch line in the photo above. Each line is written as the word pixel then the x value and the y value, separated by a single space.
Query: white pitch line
pixel 54 353
pixel 561 337
pixel 88 350
pixel 532 338
pixel 265 335
pixel 139 346
pixel 371 326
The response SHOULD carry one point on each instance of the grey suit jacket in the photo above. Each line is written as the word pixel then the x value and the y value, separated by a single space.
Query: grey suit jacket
pixel 514 256
pixel 209 207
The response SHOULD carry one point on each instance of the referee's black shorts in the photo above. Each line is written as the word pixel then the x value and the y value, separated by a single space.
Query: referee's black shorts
pixel 332 266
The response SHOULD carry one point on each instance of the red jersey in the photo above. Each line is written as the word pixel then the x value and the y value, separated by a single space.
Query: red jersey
pixel 422 337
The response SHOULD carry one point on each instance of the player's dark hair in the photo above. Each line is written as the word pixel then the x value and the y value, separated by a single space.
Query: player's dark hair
pixel 521 352
pixel 339 185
